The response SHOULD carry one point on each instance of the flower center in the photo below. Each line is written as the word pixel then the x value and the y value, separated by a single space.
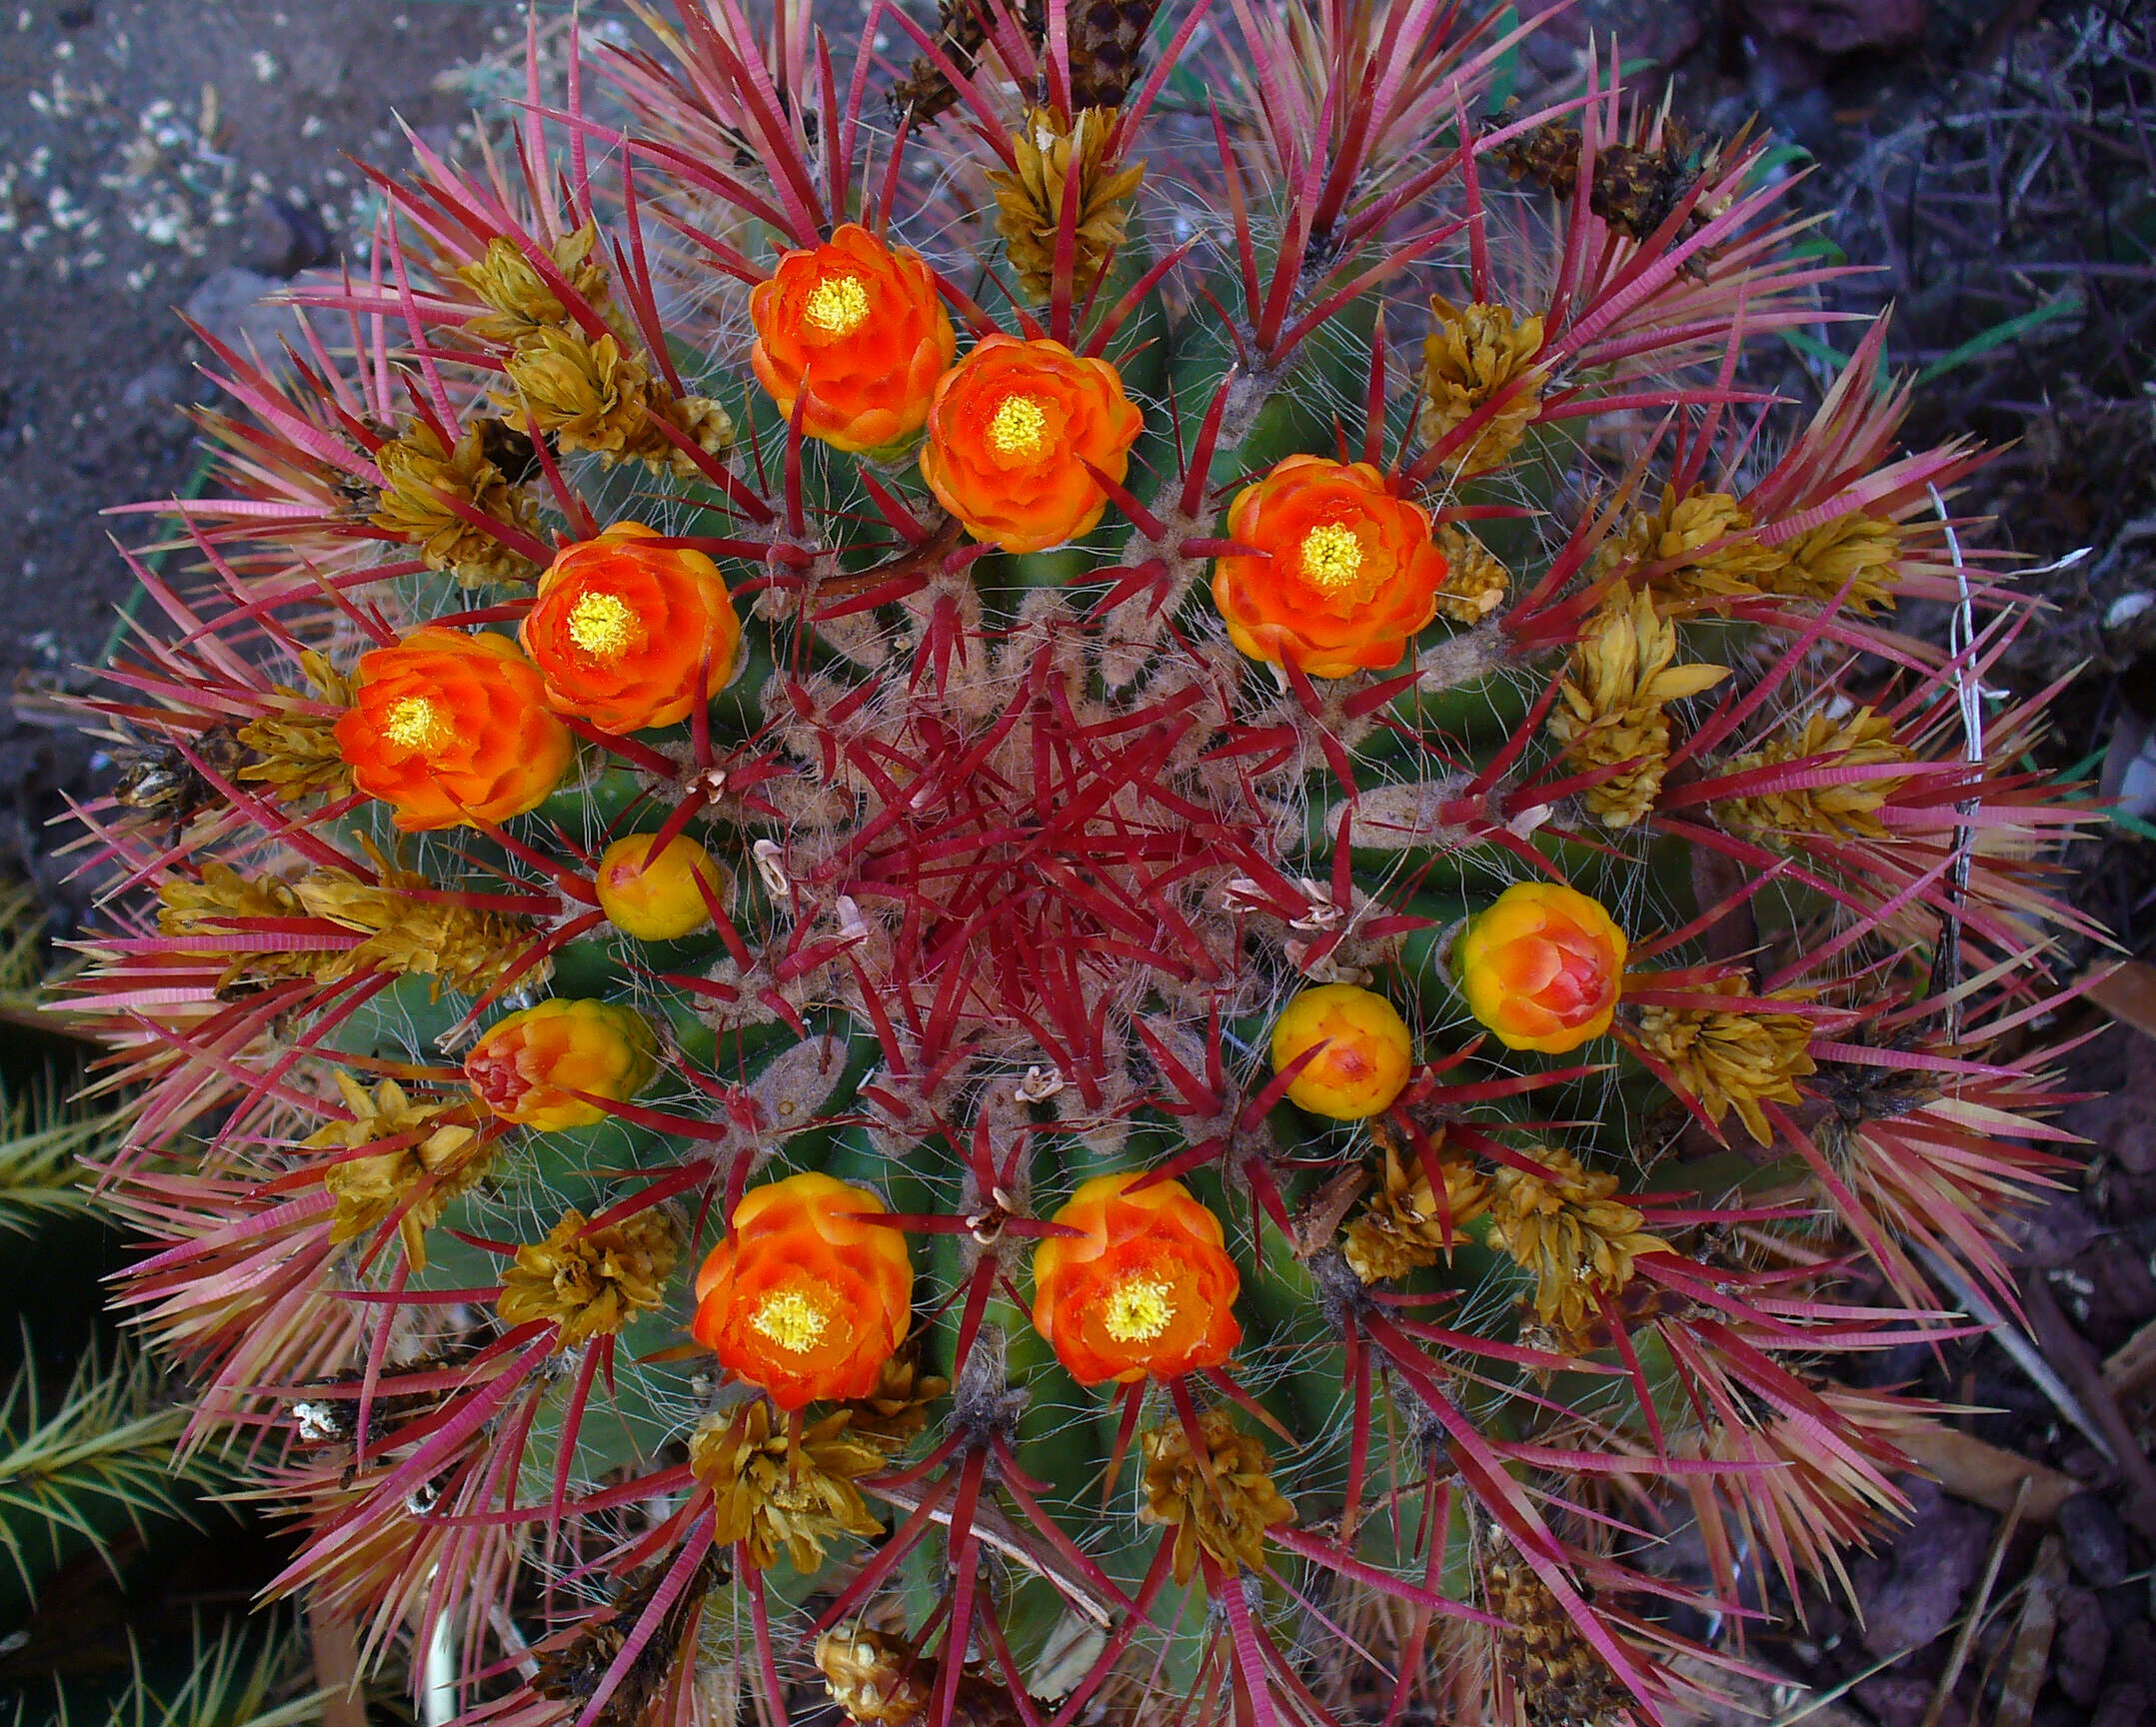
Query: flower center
pixel 601 625
pixel 791 1318
pixel 415 724
pixel 1019 427
pixel 838 305
pixel 1331 556
pixel 1139 1310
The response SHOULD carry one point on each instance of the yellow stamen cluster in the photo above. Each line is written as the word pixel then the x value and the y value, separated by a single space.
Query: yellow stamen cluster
pixel 1139 1310
pixel 793 1319
pixel 1019 426
pixel 415 724
pixel 602 625
pixel 838 305
pixel 1330 555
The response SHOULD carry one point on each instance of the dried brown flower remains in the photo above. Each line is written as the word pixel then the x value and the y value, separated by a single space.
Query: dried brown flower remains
pixel 592 1282
pixel 1223 1504
pixel 1561 1682
pixel 772 1495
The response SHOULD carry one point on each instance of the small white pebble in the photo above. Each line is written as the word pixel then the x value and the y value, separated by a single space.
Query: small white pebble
pixel 2126 608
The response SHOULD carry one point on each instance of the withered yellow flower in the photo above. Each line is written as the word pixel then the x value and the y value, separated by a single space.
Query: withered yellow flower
pixel 898 1407
pixel 1611 708
pixel 520 303
pixel 421 474
pixel 1563 1226
pixel 1226 1515
pixel 598 398
pixel 1029 200
pixel 458 948
pixel 1729 1059
pixel 1471 355
pixel 1867 547
pixel 1683 541
pixel 772 1496
pixel 1475 581
pixel 1849 809
pixel 592 1281
pixel 296 751
pixel 584 395
pixel 1403 1228
pixel 209 913
pixel 447 1161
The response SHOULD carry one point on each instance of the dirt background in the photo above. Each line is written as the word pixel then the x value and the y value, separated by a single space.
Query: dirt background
pixel 163 154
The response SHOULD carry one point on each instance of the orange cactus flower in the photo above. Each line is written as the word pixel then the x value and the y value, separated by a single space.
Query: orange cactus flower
pixel 527 1066
pixel 1148 1287
pixel 446 726
pixel 803 1298
pixel 1344 572
pixel 656 898
pixel 857 324
pixel 1366 1057
pixel 1542 968
pixel 1011 430
pixel 622 629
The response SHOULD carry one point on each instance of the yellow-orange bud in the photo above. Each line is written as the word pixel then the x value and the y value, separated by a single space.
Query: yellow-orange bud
pixel 1368 1053
pixel 528 1065
pixel 656 898
pixel 1542 968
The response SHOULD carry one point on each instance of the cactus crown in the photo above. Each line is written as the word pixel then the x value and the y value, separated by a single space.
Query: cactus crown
pixel 995 901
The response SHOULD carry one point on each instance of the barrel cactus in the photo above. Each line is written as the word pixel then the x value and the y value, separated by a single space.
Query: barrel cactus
pixel 1073 882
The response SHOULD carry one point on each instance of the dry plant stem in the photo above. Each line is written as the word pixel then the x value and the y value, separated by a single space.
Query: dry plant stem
pixel 2114 1435
pixel 2132 1365
pixel 1973 1620
pixel 2030 1659
pixel 2026 1356
pixel 996 1530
